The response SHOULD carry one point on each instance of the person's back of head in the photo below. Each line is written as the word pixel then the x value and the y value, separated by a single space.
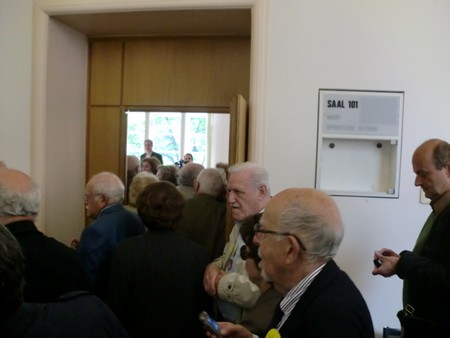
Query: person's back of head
pixel 160 205
pixel 209 181
pixel 133 164
pixel 188 174
pixel 168 173
pixel 12 274
pixel 108 185
pixel 223 168
pixel 19 196
pixel 138 184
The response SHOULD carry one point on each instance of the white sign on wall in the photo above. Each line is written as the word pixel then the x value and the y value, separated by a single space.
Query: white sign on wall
pixel 359 142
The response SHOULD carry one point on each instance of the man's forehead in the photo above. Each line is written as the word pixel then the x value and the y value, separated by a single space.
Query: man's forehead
pixel 241 178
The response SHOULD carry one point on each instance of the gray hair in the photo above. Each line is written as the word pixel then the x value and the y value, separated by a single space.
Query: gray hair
pixel 211 182
pixel 19 204
pixel 188 174
pixel 321 239
pixel 109 185
pixel 260 176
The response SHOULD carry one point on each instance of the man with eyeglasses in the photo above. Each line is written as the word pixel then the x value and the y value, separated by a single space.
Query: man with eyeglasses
pixel 298 236
pixel 226 278
pixel 112 224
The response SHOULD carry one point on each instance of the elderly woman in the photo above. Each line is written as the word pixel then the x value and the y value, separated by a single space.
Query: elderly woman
pixel 138 184
pixel 156 285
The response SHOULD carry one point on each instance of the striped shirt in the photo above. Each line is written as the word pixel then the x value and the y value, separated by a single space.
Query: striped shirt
pixel 293 296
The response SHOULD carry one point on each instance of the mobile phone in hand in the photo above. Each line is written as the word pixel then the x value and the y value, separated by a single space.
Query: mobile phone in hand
pixel 377 262
pixel 209 324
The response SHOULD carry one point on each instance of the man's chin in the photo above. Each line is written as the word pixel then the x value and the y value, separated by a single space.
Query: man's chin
pixel 237 216
pixel 265 276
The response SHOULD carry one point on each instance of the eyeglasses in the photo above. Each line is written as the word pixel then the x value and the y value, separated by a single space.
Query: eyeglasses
pixel 257 229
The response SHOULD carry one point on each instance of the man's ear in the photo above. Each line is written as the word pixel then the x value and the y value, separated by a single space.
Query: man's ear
pixel 292 250
pixel 262 191
pixel 447 169
pixel 196 186
pixel 103 199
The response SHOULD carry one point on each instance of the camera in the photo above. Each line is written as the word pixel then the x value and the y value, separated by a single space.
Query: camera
pixel 180 163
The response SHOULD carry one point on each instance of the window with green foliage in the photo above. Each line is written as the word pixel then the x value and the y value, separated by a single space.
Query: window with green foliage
pixel 173 134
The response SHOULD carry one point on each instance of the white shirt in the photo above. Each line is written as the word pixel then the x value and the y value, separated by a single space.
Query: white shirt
pixel 293 296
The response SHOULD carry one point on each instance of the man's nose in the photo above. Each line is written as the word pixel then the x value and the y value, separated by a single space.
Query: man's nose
pixel 417 181
pixel 231 197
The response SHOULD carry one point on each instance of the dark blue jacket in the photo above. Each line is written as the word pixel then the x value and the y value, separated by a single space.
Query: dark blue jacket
pixel 113 224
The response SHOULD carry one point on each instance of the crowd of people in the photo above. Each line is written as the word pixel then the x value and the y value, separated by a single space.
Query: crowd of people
pixel 157 253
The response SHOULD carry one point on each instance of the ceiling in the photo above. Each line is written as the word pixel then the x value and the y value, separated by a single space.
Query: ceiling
pixel 234 22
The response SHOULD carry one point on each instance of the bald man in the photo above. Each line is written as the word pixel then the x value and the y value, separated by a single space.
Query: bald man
pixel 426 269
pixel 52 269
pixel 103 200
pixel 112 224
pixel 186 178
pixel 298 236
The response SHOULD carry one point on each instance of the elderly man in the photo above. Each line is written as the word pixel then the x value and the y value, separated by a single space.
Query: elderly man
pixel 112 223
pixel 298 236
pixel 76 314
pixel 204 215
pixel 426 270
pixel 52 268
pixel 186 178
pixel 226 277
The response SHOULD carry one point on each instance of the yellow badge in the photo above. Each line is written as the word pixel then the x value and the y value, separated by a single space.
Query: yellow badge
pixel 273 333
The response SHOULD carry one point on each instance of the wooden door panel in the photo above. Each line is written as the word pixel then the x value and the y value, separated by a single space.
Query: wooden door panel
pixel 103 140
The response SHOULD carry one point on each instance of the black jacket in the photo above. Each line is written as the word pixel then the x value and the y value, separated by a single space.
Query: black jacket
pixel 51 268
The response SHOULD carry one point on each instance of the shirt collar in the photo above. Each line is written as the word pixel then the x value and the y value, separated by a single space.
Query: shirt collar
pixel 293 296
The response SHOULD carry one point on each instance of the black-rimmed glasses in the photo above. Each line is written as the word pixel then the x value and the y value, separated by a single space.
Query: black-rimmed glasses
pixel 257 229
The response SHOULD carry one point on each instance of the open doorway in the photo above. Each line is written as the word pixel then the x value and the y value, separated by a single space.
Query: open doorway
pixel 204 135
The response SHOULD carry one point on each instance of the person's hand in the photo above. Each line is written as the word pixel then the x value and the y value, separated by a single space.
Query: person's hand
pixel 388 259
pixel 211 279
pixel 232 331
pixel 75 243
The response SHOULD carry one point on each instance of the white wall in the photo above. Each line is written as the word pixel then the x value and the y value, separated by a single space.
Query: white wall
pixel 15 83
pixel 345 44
pixel 65 136
pixel 368 45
